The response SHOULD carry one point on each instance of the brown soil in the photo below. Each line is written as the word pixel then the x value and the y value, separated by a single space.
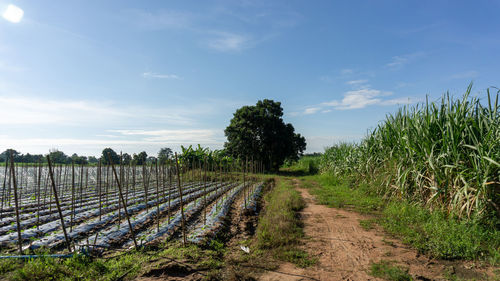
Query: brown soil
pixel 170 271
pixel 345 250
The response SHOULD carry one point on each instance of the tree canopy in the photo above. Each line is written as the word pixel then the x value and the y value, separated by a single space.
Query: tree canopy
pixel 164 155
pixel 259 133
pixel 105 157
pixel 141 158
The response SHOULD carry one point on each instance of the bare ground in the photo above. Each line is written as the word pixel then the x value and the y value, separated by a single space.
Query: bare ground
pixel 345 250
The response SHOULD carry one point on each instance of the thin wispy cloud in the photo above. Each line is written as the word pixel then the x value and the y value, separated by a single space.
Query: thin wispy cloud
pixel 364 97
pixel 465 75
pixel 311 110
pixel 33 111
pixel 399 61
pixel 93 146
pixel 162 19
pixel 176 136
pixel 357 82
pixel 346 71
pixel 326 78
pixel 357 99
pixel 151 75
pixel 225 41
pixel 254 27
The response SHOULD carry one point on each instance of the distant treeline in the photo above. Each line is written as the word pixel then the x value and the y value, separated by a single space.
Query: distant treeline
pixel 59 157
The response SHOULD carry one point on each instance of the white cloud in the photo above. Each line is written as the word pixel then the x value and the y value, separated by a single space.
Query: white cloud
pixel 175 136
pixel 226 41
pixel 399 61
pixel 465 75
pixel 13 13
pixel 326 78
pixel 356 99
pixel 160 76
pixel 94 146
pixel 33 111
pixel 311 110
pixel 363 98
pixel 164 19
pixel 357 82
pixel 346 71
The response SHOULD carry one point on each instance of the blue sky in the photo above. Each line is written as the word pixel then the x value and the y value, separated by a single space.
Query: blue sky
pixel 80 76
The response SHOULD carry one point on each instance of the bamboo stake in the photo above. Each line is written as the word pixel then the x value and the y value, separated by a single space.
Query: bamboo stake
pixel 4 187
pixel 99 186
pixel 57 203
pixel 244 185
pixel 123 201
pixel 169 190
pixel 72 195
pixel 144 171
pixel 157 199
pixel 180 198
pixel 12 170
pixel 205 193
pixel 39 195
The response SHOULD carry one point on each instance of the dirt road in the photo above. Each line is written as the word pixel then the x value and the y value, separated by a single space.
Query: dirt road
pixel 345 250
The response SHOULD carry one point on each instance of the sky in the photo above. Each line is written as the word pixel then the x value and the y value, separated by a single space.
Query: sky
pixel 80 76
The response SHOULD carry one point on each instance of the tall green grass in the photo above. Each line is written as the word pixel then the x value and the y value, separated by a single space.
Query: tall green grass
pixel 442 154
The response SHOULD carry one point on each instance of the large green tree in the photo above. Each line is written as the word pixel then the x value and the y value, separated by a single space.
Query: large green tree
pixel 58 157
pixel 105 156
pixel 259 133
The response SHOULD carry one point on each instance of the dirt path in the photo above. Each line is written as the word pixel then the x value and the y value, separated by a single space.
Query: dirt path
pixel 345 250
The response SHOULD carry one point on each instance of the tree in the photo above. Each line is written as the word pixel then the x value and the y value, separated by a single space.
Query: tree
pixel 126 158
pixel 93 160
pixel 259 132
pixel 164 155
pixel 105 156
pixel 6 155
pixel 140 159
pixel 79 159
pixel 58 157
pixel 151 160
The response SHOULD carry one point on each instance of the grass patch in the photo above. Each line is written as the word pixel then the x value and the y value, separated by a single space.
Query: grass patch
pixel 78 267
pixel 439 235
pixel 279 225
pixel 367 224
pixel 387 271
pixel 339 194
pixel 306 165
pixel 280 230
pixel 298 257
pixel 124 266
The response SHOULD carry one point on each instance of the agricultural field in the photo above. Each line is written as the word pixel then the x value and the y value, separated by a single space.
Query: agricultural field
pixel 64 208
